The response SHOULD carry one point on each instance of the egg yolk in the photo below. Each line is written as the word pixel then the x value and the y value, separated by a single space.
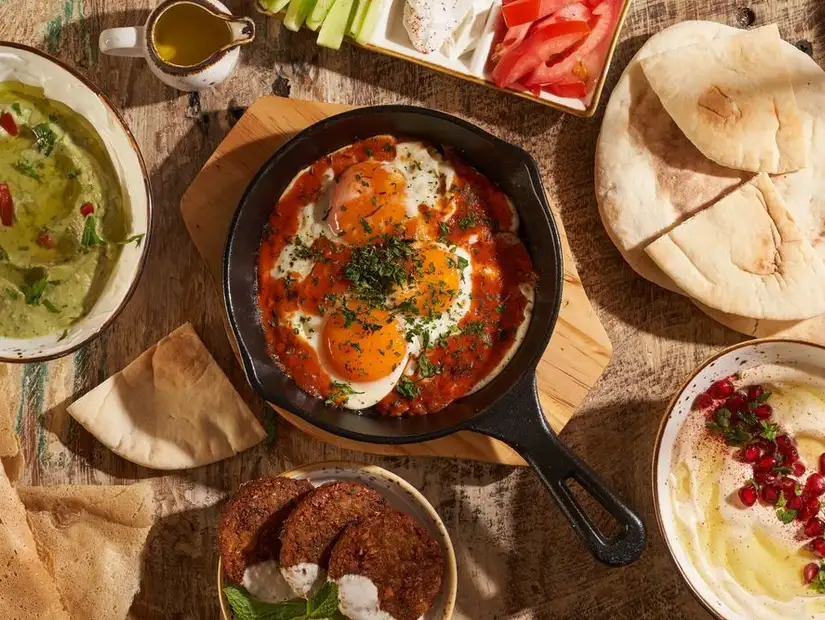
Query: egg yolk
pixel 436 281
pixel 367 201
pixel 365 348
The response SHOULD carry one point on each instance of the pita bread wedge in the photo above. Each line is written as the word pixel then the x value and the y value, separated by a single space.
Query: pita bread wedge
pixel 733 99
pixel 745 255
pixel 26 589
pixel 171 408
pixel 10 378
pixel 91 539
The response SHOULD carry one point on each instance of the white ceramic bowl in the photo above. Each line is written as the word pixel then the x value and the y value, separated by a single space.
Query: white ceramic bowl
pixel 731 360
pixel 62 83
pixel 402 496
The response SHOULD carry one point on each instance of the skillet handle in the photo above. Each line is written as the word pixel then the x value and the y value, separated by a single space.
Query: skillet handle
pixel 519 422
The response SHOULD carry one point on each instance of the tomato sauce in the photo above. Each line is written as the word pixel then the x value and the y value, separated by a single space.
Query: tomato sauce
pixel 479 224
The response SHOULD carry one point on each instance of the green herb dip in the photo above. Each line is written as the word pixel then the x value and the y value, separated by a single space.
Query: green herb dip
pixel 67 219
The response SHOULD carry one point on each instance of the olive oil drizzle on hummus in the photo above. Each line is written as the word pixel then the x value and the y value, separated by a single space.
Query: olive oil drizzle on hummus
pixel 62 217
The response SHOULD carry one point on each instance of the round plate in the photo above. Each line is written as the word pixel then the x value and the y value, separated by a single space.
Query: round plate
pixel 732 360
pixel 402 496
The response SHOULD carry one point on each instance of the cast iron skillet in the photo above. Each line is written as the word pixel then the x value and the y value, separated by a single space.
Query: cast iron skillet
pixel 507 408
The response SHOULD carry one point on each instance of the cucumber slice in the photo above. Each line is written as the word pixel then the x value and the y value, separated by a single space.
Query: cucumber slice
pixel 272 6
pixel 370 20
pixel 319 13
pixel 297 13
pixel 336 24
pixel 358 19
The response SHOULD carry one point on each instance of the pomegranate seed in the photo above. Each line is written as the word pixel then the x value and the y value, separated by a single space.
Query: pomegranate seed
pixel 784 443
pixel 815 485
pixel 822 463
pixel 768 447
pixel 810 508
pixel 818 547
pixel 770 494
pixel 763 411
pixel 794 503
pixel 721 389
pixel 751 454
pixel 765 477
pixel 45 241
pixel 787 484
pixel 810 572
pixel 748 495
pixel 797 469
pixel 87 209
pixel 755 391
pixel 791 456
pixel 814 527
pixel 737 403
pixel 765 463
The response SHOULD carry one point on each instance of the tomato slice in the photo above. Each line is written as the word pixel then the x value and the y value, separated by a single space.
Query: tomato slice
pixel 536 49
pixel 7 123
pixel 556 71
pixel 6 205
pixel 578 12
pixel 517 12
pixel 512 38
pixel 520 12
pixel 575 90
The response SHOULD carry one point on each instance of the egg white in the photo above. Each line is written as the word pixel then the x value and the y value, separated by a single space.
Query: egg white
pixel 422 167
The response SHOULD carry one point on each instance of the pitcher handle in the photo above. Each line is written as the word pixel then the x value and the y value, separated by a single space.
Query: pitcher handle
pixel 243 30
pixel 126 41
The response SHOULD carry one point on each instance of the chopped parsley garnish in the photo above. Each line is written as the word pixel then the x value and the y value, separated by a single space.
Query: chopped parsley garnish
pixel 339 394
pixel 463 263
pixel 44 138
pixel 63 335
pixel 426 368
pixel 25 168
pixel 17 109
pixel 136 239
pixel 11 293
pixel 377 270
pixel 50 306
pixel 408 388
pixel 467 221
pixel 73 174
pixel 34 291
pixel 475 327
pixel 443 231
pixel 366 225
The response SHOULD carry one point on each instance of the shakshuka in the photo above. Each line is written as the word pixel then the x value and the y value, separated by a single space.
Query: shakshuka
pixel 390 275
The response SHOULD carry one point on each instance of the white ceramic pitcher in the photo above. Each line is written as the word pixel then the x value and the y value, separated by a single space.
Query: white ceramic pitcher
pixel 140 41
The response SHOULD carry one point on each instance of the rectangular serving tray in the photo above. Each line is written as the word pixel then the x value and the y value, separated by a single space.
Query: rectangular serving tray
pixel 569 106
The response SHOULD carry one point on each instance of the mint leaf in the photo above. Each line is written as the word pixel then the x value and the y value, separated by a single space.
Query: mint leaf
pixel 324 603
pixel 26 169
pixel 90 236
pixel 818 584
pixel 786 516
pixel 244 607
pixel 763 397
pixel 769 430
pixel 723 417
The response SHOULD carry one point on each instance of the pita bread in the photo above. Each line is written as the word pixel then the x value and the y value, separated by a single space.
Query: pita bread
pixel 171 408
pixel 26 589
pixel 10 376
pixel 745 255
pixel 739 110
pixel 649 176
pixel 91 538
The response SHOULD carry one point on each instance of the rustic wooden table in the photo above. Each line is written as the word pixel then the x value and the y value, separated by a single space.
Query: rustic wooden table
pixel 517 556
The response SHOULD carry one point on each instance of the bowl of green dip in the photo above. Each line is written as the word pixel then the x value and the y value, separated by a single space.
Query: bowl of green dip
pixel 75 208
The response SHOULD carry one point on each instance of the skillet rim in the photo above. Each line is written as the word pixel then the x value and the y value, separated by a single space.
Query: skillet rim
pixel 527 365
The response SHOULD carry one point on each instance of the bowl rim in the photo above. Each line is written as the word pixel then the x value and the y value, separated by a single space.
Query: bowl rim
pixel 97 91
pixel 658 447
pixel 451 576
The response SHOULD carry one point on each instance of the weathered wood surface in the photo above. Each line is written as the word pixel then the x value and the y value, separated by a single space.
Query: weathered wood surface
pixel 517 556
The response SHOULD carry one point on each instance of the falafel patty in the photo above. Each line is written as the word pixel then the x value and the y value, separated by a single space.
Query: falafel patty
pixel 251 522
pixel 319 518
pixel 398 555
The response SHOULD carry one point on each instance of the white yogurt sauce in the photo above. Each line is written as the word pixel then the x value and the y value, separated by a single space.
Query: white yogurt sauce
pixel 459 24
pixel 748 558
pixel 358 599
pixel 265 582
pixel 303 577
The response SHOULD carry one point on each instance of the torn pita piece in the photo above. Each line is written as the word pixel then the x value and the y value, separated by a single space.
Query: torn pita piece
pixel 745 255
pixel 26 589
pixel 91 540
pixel 735 101
pixel 171 408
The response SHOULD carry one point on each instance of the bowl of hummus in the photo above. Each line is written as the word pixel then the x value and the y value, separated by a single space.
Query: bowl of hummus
pixel 75 208
pixel 739 484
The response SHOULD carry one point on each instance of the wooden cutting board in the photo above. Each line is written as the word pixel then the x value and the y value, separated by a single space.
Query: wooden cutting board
pixel 577 354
